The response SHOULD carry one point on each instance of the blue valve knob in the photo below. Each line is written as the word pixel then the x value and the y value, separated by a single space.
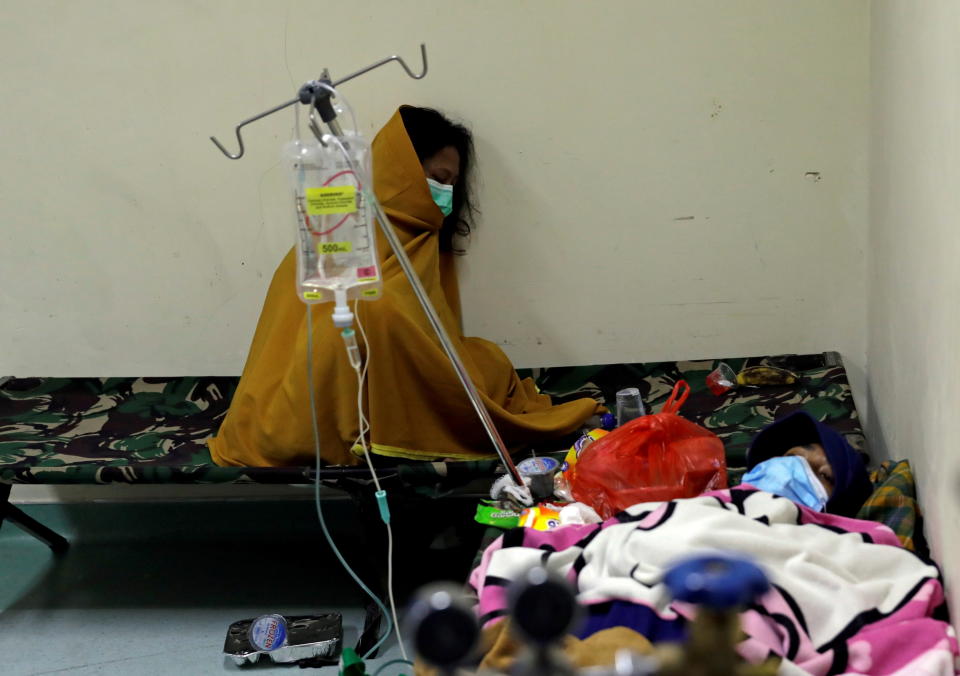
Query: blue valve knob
pixel 716 582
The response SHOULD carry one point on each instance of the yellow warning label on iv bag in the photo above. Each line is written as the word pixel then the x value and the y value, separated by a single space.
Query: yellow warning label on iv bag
pixel 334 247
pixel 312 295
pixel 337 199
pixel 370 293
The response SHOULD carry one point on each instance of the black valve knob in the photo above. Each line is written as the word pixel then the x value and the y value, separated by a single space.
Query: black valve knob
pixel 543 607
pixel 443 626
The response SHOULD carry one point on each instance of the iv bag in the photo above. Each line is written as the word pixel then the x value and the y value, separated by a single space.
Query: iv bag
pixel 336 240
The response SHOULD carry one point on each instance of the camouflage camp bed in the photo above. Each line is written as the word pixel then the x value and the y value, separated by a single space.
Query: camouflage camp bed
pixel 153 430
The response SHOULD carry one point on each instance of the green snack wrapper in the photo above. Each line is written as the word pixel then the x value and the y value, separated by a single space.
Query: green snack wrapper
pixel 489 514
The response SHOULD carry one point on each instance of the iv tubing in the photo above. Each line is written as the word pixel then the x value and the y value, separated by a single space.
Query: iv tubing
pixel 381 494
pixel 316 491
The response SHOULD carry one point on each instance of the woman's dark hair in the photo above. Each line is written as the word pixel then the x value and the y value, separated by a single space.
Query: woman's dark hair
pixel 430 132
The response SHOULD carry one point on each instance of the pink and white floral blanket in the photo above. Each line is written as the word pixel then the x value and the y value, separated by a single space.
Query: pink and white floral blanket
pixel 846 598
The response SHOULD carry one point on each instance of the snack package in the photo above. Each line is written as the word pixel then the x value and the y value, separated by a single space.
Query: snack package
pixel 490 514
pixel 570 460
pixel 545 516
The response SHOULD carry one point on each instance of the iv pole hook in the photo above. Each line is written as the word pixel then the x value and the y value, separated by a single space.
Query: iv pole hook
pixel 362 71
pixel 394 57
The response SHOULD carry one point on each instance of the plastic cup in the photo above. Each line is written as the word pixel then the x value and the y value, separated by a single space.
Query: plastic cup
pixel 721 379
pixel 629 405
pixel 540 471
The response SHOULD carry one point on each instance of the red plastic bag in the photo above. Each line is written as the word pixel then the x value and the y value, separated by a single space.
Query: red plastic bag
pixel 653 458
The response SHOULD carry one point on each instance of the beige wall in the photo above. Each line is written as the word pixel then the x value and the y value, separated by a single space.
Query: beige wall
pixel 643 172
pixel 914 324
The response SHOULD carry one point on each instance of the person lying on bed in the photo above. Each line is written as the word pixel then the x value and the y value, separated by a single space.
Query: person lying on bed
pixel 413 399
pixel 810 463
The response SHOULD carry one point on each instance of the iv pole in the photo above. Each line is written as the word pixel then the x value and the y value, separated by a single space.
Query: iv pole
pixel 305 96
pixel 318 96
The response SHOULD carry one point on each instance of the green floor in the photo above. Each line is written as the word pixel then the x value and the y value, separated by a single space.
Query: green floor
pixel 151 588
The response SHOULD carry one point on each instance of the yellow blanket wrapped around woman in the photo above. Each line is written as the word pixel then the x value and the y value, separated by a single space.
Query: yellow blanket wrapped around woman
pixel 414 401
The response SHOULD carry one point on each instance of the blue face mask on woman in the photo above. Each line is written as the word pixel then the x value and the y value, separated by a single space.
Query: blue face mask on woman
pixel 792 477
pixel 442 196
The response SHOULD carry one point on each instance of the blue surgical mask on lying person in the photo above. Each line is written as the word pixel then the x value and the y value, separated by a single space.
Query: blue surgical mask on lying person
pixel 442 196
pixel 792 477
